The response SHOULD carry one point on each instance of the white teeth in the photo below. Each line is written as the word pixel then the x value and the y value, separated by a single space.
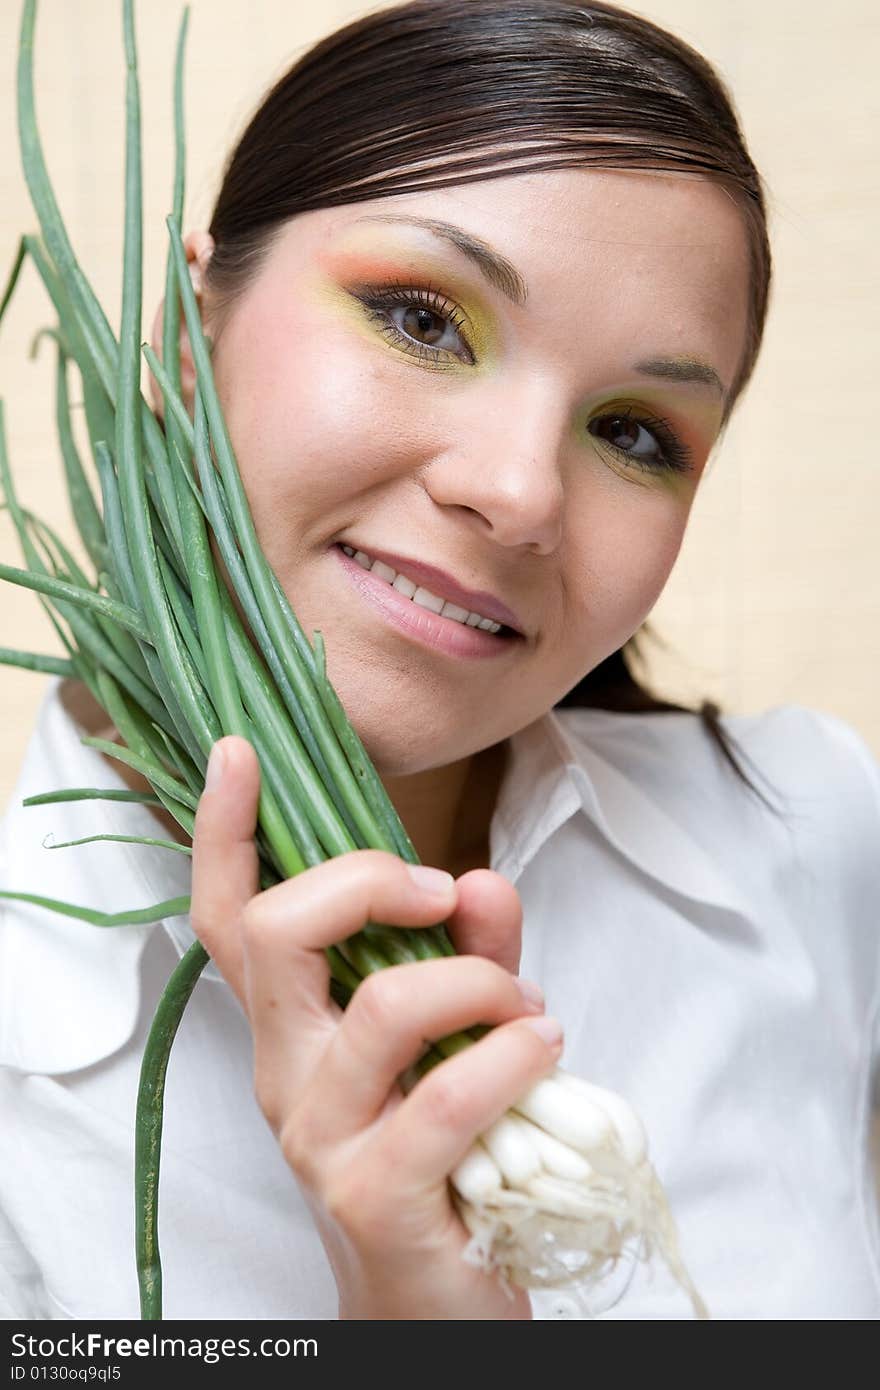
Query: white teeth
pixel 404 586
pixel 423 597
pixel 384 571
pixel 451 610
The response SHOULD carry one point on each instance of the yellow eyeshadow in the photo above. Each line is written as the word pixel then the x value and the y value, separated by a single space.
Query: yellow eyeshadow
pixel 694 420
pixel 354 268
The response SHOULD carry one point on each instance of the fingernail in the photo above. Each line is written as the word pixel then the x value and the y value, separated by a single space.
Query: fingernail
pixel 550 1029
pixel 531 992
pixel 216 764
pixel 432 880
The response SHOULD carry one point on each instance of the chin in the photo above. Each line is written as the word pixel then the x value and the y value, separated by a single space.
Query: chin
pixel 397 749
pixel 391 745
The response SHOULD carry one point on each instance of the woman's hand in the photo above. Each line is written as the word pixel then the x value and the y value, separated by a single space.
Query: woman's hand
pixel 371 1162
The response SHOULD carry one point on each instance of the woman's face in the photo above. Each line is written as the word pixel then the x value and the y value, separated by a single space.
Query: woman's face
pixel 536 430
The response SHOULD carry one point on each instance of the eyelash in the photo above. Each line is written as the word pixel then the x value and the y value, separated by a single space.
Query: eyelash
pixel 677 457
pixel 376 299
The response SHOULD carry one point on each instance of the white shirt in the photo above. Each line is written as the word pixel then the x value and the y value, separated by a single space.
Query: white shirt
pixel 716 967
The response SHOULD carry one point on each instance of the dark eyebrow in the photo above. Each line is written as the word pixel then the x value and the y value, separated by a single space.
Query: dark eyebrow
pixel 496 268
pixel 501 273
pixel 682 369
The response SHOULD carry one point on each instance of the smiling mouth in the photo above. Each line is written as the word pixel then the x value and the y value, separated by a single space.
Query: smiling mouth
pixel 421 622
pixel 424 598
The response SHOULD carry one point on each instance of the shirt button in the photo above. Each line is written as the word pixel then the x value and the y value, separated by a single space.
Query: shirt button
pixel 565 1307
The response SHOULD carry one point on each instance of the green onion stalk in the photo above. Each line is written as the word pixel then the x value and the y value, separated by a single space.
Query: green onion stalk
pixel 561 1186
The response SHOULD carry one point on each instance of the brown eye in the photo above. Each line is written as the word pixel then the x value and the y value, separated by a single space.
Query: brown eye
pixel 424 327
pixel 646 443
pixel 419 321
pixel 423 324
pixel 624 433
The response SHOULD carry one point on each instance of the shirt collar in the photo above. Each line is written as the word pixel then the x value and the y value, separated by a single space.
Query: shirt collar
pixel 563 764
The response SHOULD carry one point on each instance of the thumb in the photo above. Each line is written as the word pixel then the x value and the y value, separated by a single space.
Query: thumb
pixel 225 863
pixel 487 920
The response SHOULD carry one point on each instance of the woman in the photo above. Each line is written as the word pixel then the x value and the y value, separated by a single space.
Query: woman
pixel 484 283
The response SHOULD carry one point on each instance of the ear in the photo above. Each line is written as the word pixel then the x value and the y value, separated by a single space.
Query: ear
pixel 199 246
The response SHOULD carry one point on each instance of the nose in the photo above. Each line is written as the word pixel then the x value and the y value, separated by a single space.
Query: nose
pixel 505 465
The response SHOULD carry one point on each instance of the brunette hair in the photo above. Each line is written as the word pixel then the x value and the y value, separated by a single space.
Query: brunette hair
pixel 433 93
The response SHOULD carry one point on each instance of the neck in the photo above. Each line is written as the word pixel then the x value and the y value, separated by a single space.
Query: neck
pixel 447 811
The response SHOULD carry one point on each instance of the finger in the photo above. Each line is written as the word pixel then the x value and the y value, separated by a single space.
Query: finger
pixel 430 1133
pixel 390 1018
pixel 287 928
pixel 487 920
pixel 225 863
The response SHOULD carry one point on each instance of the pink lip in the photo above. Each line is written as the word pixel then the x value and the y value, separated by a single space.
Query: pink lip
pixel 444 586
pixel 432 630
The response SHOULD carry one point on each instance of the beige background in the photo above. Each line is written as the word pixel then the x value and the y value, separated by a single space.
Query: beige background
pixel 775 597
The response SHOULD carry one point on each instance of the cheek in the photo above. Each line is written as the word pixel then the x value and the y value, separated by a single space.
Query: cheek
pixel 624 553
pixel 309 424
